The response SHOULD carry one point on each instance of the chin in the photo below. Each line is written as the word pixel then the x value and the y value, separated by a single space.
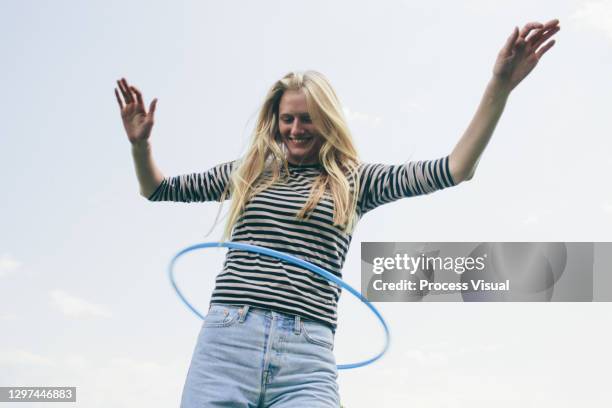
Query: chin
pixel 308 153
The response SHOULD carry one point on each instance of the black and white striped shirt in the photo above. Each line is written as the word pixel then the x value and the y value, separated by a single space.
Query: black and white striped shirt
pixel 269 221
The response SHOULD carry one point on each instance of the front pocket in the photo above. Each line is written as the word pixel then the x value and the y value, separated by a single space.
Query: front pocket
pixel 221 316
pixel 317 333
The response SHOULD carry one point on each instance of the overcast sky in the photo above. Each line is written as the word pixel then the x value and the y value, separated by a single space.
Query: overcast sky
pixel 84 297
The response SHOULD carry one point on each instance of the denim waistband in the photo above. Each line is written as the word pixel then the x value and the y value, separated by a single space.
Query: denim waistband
pixel 244 310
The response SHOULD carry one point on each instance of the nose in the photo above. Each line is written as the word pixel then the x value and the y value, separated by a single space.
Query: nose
pixel 296 127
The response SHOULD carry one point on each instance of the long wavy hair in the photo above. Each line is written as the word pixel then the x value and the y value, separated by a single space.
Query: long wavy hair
pixel 267 154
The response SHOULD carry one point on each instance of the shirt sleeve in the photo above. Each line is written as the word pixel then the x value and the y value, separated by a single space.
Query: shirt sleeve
pixel 206 186
pixel 381 184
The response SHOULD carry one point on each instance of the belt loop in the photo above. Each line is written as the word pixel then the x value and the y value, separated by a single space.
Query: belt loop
pixel 296 326
pixel 243 312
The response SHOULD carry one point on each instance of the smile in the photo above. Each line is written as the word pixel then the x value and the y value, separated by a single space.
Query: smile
pixel 300 139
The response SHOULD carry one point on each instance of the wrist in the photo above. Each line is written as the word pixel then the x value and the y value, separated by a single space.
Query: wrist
pixel 143 146
pixel 499 88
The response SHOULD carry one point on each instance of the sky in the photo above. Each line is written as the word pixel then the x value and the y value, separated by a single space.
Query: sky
pixel 84 296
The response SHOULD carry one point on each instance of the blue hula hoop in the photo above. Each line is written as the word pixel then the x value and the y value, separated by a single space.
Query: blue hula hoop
pixel 293 260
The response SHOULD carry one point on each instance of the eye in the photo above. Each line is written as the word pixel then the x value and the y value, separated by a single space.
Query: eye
pixel 287 119
pixel 306 119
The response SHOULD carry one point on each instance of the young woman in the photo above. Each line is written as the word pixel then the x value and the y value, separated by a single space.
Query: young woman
pixel 268 337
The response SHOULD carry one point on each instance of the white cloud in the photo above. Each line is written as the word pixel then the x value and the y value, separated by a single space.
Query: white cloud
pixel 128 382
pixel 607 207
pixel 531 219
pixel 354 116
pixel 101 381
pixel 22 357
pixel 72 306
pixel 8 264
pixel 596 15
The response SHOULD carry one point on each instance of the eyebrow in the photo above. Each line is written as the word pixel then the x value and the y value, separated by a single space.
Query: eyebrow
pixel 296 114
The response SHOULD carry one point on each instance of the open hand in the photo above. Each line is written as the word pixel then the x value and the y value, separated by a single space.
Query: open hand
pixel 521 54
pixel 137 122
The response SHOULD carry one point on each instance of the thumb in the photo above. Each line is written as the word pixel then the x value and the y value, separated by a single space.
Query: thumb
pixel 152 108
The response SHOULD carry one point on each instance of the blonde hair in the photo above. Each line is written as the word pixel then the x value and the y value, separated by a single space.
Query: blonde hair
pixel 337 156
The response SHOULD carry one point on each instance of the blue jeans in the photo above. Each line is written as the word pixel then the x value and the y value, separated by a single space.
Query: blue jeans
pixel 251 357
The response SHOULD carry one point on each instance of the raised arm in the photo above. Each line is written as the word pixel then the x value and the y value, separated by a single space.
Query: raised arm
pixel 196 187
pixel 380 184
pixel 515 61
pixel 148 174
pixel 138 124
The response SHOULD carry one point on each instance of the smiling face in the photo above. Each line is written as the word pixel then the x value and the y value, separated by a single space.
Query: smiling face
pixel 297 131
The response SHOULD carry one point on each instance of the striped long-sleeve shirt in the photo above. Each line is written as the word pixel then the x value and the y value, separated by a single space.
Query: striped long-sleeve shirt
pixel 269 220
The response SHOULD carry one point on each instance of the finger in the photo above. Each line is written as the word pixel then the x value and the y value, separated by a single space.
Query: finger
pixel 544 48
pixel 507 48
pixel 541 39
pixel 129 98
pixel 520 46
pixel 528 27
pixel 152 108
pixel 123 90
pixel 551 23
pixel 118 99
pixel 534 35
pixel 545 28
pixel 551 26
pixel 138 95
